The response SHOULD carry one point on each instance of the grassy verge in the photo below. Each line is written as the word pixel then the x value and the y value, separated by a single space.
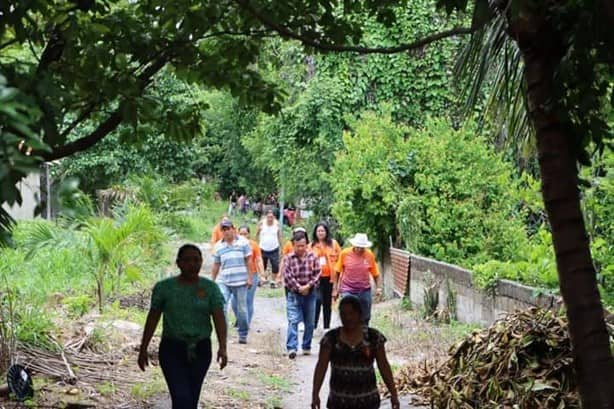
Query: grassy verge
pixel 410 338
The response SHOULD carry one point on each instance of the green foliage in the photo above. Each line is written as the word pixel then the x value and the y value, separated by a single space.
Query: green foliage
pixel 535 265
pixel 103 57
pixel 299 144
pixel 448 194
pixel 107 248
pixel 227 160
pixel 16 142
pixel 162 195
pixel 78 305
pixel 598 206
pixel 53 264
pixel 461 201
pixel 150 147
pixel 34 326
pixel 366 188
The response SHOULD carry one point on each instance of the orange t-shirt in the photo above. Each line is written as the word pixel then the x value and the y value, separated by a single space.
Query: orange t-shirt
pixel 355 270
pixel 216 234
pixel 327 255
pixel 288 248
pixel 256 254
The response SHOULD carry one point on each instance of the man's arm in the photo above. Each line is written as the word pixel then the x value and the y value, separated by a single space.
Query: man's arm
pixel 338 275
pixel 288 275
pixel 258 231
pixel 250 274
pixel 215 271
pixel 375 273
pixel 316 270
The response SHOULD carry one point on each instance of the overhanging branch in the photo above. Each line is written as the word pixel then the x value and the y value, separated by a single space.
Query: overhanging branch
pixel 286 32
pixel 105 127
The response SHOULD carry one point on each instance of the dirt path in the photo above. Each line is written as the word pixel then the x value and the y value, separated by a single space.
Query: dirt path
pixel 259 374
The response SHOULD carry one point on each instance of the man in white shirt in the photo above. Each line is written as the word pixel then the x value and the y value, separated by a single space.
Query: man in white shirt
pixel 269 237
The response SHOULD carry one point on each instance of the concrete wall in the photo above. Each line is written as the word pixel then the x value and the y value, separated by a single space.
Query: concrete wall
pixel 30 193
pixel 472 304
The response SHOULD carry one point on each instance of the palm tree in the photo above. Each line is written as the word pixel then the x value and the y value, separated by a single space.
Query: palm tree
pixel 105 242
pixel 522 56
pixel 567 48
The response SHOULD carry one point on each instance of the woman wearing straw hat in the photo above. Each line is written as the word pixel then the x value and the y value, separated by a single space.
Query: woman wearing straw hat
pixel 355 267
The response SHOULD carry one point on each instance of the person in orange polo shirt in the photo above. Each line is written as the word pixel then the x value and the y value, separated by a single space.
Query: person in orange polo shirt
pixel 255 266
pixel 355 267
pixel 217 234
pixel 327 250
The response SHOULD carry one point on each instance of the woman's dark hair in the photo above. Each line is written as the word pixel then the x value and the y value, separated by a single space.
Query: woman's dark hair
pixel 187 247
pixel 353 302
pixel 244 226
pixel 300 235
pixel 327 239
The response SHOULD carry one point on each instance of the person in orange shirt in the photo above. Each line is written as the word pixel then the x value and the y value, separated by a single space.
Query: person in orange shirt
pixel 255 266
pixel 355 267
pixel 217 234
pixel 327 250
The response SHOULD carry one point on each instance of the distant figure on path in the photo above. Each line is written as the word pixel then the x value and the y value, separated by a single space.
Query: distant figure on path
pixel 230 271
pixel 355 267
pixel 301 273
pixel 232 205
pixel 241 203
pixel 327 250
pixel 188 303
pixel 351 351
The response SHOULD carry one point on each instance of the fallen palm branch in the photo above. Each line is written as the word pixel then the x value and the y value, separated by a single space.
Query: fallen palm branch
pixel 71 365
pixel 523 360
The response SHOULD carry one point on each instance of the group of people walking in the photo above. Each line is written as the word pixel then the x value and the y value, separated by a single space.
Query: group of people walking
pixel 313 275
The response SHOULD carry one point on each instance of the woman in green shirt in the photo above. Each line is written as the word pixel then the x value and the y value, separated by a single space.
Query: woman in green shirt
pixel 188 303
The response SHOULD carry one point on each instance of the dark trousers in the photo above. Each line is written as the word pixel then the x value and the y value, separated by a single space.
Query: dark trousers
pixel 184 376
pixel 325 297
pixel 273 257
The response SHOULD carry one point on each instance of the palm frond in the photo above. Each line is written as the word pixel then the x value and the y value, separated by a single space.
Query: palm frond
pixel 45 234
pixel 490 71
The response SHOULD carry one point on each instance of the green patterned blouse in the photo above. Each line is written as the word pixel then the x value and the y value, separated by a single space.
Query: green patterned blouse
pixel 186 308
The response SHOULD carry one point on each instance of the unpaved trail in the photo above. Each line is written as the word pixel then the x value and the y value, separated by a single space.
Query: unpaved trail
pixel 259 374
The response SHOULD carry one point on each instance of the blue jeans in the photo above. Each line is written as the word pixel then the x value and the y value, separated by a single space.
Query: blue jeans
pixel 184 376
pixel 364 297
pixel 239 293
pixel 251 294
pixel 300 308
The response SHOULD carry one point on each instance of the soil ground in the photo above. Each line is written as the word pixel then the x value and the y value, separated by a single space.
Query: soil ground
pixel 259 374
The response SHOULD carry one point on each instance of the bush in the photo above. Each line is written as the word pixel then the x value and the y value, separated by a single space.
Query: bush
pixel 536 267
pixel 78 305
pixel 460 202
pixel 442 192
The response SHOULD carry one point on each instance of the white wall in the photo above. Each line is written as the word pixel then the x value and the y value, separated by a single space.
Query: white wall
pixel 30 192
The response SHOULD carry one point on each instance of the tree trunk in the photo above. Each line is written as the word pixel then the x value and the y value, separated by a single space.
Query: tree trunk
pixel 557 160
